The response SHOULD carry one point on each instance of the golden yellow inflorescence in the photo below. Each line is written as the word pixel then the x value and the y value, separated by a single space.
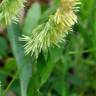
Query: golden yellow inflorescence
pixel 9 9
pixel 54 30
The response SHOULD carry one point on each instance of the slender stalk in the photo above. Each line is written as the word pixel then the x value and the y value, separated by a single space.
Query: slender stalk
pixel 9 85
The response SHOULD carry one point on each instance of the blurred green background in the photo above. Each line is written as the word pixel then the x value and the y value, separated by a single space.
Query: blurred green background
pixel 66 71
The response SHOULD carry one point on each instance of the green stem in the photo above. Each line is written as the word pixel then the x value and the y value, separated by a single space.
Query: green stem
pixel 9 85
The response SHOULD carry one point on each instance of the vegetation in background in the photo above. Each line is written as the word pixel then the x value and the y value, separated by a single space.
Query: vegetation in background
pixel 66 71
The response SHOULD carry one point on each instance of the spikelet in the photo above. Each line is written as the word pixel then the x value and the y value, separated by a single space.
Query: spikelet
pixel 9 10
pixel 54 30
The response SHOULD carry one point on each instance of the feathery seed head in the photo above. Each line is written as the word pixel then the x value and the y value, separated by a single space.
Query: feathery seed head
pixel 54 30
pixel 9 9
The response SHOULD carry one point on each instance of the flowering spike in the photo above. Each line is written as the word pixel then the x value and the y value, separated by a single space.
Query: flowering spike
pixel 54 30
pixel 9 9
